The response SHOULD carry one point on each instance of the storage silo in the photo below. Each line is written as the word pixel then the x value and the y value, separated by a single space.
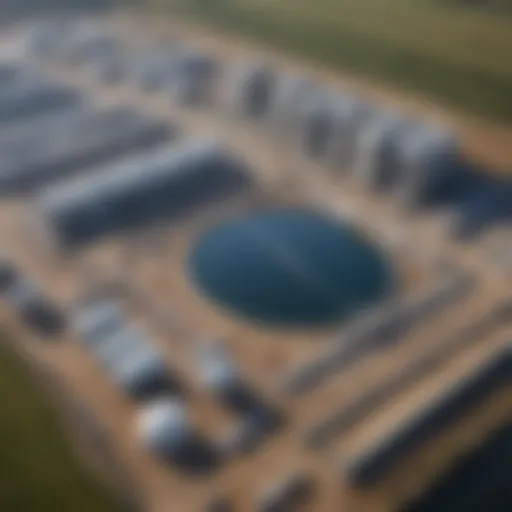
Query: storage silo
pixel 250 89
pixel 376 160
pixel 165 429
pixel 195 78
pixel 318 126
pixel 152 69
pixel 164 184
pixel 350 116
pixel 292 93
pixel 428 158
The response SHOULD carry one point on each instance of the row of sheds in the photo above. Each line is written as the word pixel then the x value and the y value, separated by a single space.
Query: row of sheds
pixel 164 425
pixel 165 184
pixel 25 93
pixel 383 148
pixel 186 73
pixel 418 163
pixel 49 131
pixel 126 353
pixel 380 147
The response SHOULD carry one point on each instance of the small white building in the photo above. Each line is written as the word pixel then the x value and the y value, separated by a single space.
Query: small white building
pixel 164 427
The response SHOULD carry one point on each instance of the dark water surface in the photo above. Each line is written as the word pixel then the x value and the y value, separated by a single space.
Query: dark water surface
pixel 289 267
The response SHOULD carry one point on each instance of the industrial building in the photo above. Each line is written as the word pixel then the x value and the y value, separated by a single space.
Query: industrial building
pixel 169 182
pixel 223 291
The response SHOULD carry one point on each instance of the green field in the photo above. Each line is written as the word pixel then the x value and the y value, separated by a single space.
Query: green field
pixel 445 49
pixel 38 472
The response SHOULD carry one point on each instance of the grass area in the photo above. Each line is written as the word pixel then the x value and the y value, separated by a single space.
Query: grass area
pixel 455 53
pixel 38 472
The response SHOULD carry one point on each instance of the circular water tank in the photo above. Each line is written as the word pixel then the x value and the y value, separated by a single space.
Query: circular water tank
pixel 290 267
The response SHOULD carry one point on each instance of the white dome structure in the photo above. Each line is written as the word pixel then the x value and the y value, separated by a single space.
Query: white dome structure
pixel 164 427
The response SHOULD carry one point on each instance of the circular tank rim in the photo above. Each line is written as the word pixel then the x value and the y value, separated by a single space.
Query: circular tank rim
pixel 390 287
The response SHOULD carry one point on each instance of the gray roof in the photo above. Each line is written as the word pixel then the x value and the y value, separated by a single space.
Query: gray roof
pixel 166 182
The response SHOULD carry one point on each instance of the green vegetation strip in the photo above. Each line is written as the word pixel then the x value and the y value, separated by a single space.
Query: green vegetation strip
pixel 452 79
pixel 38 472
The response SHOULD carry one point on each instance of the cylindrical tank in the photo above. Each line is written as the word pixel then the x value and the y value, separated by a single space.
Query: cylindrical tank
pixel 292 93
pixel 318 126
pixel 428 157
pixel 250 89
pixel 350 116
pixel 195 78
pixel 165 429
pixel 376 161
pixel 154 68
pixel 166 183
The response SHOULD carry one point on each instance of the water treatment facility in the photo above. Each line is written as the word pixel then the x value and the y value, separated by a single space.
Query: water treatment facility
pixel 267 293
